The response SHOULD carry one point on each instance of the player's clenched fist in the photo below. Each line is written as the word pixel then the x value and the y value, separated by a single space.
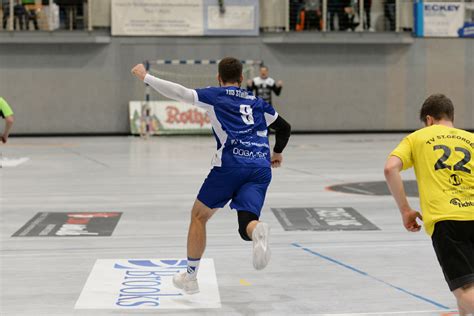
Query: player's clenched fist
pixel 139 71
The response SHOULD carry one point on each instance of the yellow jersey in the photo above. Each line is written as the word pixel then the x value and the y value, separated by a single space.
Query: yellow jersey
pixel 443 160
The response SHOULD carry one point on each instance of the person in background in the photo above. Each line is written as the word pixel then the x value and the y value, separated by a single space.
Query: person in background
pixel 345 10
pixel 19 13
pixel 31 17
pixel 367 11
pixel 6 13
pixel 263 86
pixel 6 113
pixel 335 7
pixel 32 7
pixel 349 20
pixel 295 9
pixel 313 15
pixel 390 11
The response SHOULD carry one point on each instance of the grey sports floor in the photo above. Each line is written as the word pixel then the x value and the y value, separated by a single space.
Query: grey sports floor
pixel 154 183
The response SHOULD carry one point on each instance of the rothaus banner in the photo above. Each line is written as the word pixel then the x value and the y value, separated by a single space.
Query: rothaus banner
pixel 168 117
pixel 443 19
pixel 184 17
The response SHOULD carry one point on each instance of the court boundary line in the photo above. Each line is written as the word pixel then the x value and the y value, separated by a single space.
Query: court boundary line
pixel 419 297
pixel 443 312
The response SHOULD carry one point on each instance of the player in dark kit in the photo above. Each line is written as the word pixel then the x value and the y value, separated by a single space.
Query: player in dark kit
pixel 241 167
pixel 263 86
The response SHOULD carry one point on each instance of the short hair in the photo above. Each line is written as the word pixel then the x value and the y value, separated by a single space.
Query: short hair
pixel 230 70
pixel 438 106
pixel 263 66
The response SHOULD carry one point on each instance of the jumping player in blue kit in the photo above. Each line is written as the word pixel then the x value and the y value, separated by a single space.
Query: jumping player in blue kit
pixel 241 167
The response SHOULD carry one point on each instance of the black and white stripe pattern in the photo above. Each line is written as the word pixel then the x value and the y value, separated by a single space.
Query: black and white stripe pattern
pixel 199 62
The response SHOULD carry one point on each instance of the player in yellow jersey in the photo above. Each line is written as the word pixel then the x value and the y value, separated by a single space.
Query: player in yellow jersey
pixel 442 158
pixel 6 113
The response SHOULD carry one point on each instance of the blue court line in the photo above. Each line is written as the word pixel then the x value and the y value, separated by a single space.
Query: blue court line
pixel 370 276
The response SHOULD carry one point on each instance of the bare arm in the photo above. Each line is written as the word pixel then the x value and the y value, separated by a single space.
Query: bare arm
pixel 8 126
pixel 169 89
pixel 392 170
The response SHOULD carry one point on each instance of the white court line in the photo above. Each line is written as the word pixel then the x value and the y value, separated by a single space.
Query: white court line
pixel 393 313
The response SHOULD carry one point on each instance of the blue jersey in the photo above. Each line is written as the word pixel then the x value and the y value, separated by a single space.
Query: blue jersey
pixel 239 122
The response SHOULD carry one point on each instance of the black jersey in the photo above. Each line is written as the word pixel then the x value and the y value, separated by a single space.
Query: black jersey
pixel 263 88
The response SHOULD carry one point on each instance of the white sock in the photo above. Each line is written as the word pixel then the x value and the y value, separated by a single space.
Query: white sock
pixel 193 266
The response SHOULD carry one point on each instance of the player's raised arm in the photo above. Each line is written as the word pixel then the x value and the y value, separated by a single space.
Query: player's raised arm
pixel 167 88
pixel 278 87
pixel 250 85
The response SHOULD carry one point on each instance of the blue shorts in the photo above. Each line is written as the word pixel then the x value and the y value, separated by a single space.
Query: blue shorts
pixel 244 187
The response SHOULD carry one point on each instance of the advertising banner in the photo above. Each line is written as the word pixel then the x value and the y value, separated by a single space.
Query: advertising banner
pixel 157 17
pixel 442 19
pixel 185 17
pixel 168 117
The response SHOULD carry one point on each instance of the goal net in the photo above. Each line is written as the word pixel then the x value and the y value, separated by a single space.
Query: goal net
pixel 157 115
pixel 196 73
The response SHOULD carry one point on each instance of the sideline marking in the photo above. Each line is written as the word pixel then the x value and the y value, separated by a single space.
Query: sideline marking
pixel 32 145
pixel 370 276
pixel 392 313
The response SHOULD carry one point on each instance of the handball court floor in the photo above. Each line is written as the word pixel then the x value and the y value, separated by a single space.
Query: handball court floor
pixel 154 183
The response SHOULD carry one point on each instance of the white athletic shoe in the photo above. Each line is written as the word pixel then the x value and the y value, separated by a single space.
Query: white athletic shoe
pixel 182 282
pixel 261 252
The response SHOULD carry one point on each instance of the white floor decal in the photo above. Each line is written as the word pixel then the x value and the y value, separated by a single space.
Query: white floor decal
pixel 146 284
pixel 12 162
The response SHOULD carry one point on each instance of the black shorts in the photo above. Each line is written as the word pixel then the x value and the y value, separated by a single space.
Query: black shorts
pixel 453 242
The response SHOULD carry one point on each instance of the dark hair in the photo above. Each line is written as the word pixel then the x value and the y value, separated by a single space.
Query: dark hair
pixel 263 66
pixel 230 70
pixel 438 106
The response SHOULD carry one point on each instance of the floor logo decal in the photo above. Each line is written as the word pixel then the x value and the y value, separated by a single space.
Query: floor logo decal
pixel 70 224
pixel 373 188
pixel 322 219
pixel 127 284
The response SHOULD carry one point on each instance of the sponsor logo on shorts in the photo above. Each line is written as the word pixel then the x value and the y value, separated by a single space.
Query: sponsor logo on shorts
pixel 461 204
